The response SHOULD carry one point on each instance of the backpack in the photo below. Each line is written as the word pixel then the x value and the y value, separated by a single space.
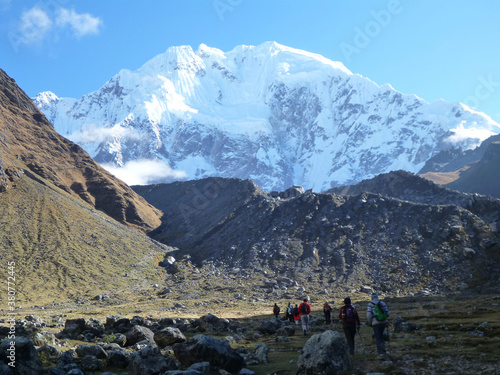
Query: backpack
pixel 380 315
pixel 350 314
pixel 303 308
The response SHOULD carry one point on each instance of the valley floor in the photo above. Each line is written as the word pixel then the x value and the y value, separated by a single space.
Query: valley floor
pixel 446 335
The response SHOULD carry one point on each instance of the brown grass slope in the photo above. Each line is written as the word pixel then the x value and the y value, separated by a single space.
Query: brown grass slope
pixel 64 249
pixel 29 142
pixel 60 214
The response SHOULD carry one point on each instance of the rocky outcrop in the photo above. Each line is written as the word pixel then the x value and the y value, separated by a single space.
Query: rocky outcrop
pixel 168 336
pixel 324 354
pixel 411 228
pixel 206 348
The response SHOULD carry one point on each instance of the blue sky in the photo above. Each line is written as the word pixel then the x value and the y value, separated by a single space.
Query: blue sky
pixel 435 49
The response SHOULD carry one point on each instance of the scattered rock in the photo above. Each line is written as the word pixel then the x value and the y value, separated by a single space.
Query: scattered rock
pixel 24 354
pixel 270 326
pixel 260 352
pixel 90 363
pixel 203 348
pixel 324 354
pixel 94 350
pixel 168 336
pixel 149 361
pixel 138 334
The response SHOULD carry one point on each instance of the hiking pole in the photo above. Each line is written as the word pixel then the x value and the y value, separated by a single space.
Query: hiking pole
pixel 388 336
pixel 359 334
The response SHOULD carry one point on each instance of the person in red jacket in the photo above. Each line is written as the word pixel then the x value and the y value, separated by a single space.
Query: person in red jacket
pixel 304 311
pixel 350 321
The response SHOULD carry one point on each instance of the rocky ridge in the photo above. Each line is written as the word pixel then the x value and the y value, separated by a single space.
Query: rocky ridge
pixel 329 241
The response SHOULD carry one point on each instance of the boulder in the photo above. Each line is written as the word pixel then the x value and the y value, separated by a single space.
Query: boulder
pixel 118 359
pixel 270 326
pixel 139 333
pixel 74 327
pixel 202 348
pixel 54 370
pixel 87 349
pixel 261 351
pixel 6 370
pixel 168 336
pixel 90 363
pixel 211 323
pixel 49 353
pixel 24 355
pixel 149 361
pixel 286 331
pixel 202 367
pixel 324 354
pixel 401 325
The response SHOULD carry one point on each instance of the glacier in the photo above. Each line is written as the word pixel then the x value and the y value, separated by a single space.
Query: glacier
pixel 270 113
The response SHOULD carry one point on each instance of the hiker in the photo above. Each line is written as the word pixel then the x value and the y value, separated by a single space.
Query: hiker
pixel 304 311
pixel 377 314
pixel 296 314
pixel 327 310
pixel 276 310
pixel 289 312
pixel 350 322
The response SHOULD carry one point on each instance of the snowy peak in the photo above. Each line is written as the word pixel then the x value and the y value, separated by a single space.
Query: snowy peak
pixel 270 113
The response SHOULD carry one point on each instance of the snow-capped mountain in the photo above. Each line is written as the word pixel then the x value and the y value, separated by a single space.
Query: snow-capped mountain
pixel 270 113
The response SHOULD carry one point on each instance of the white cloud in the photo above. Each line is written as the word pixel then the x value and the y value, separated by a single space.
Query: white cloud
pixel 92 133
pixel 81 24
pixel 35 25
pixel 143 172
pixel 471 137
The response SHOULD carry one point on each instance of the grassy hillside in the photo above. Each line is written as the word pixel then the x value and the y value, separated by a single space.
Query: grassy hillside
pixel 65 249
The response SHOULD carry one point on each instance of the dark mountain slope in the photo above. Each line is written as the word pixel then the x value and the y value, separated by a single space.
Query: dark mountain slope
pixel 482 177
pixel 29 142
pixel 327 241
pixel 452 159
pixel 470 171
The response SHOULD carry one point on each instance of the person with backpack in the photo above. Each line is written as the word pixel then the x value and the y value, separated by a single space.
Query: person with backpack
pixel 350 322
pixel 327 310
pixel 296 314
pixel 304 311
pixel 289 312
pixel 376 315
pixel 276 310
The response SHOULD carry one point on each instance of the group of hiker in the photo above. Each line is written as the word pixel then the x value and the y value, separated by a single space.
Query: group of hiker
pixel 376 316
